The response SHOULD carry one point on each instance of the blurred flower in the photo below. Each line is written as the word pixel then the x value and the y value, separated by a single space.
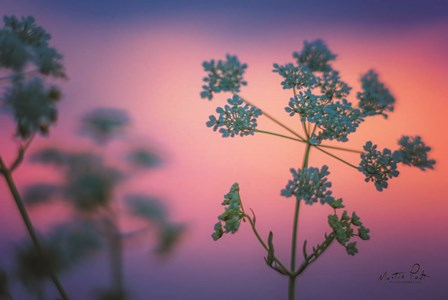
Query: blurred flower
pixel 89 183
pixel 33 106
pixel 143 158
pixel 169 237
pixel 235 119
pixel 315 55
pixel 375 98
pixel 13 54
pixel 146 207
pixel 310 185
pixel 223 76
pixel 40 193
pixel 232 215
pixel 26 29
pixel 414 152
pixel 378 166
pixel 103 124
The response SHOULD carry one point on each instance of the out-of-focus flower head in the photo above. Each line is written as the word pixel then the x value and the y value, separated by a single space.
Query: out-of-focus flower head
pixel 223 76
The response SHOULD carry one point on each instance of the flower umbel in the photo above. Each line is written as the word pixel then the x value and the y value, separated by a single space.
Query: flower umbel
pixel 315 55
pixel 223 76
pixel 295 77
pixel 344 228
pixel 332 86
pixel 235 119
pixel 310 185
pixel 375 98
pixel 378 166
pixel 33 106
pixel 414 152
pixel 232 215
pixel 336 121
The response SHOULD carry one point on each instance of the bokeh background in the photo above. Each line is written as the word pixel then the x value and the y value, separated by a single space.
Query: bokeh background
pixel 145 57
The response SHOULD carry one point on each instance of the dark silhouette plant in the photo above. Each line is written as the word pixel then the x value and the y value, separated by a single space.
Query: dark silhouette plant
pixel 94 189
pixel 28 65
pixel 319 100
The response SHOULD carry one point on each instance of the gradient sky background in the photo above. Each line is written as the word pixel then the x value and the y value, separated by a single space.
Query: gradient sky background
pixel 145 57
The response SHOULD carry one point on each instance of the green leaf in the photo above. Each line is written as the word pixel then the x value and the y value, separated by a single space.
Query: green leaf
pixel 270 258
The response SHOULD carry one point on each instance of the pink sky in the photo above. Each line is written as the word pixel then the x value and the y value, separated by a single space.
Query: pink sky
pixel 153 70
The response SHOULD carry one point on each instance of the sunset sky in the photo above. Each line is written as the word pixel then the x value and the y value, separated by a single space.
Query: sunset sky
pixel 145 57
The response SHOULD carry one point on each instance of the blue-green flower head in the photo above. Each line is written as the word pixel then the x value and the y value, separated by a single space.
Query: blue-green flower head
pixel 223 76
pixel 315 55
pixel 33 106
pixel 236 118
pixel 295 76
pixel 23 43
pixel 307 105
pixel 332 87
pixel 414 152
pixel 310 185
pixel 232 215
pixel 375 98
pixel 336 121
pixel 378 166
pixel 351 248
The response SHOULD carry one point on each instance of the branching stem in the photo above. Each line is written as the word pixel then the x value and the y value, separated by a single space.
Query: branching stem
pixel 5 171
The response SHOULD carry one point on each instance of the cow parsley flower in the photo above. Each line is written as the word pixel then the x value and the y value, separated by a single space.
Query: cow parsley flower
pixel 310 185
pixel 308 105
pixel 223 76
pixel 336 121
pixel 414 152
pixel 375 98
pixel 332 86
pixel 231 218
pixel 378 166
pixel 295 76
pixel 235 119
pixel 33 106
pixel 315 55
pixel 344 229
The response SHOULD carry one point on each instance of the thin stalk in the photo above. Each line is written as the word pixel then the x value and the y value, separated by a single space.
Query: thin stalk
pixel 115 252
pixel 252 224
pixel 279 135
pixel 274 119
pixel 292 279
pixel 334 156
pixel 305 130
pixel 318 252
pixel 341 148
pixel 29 226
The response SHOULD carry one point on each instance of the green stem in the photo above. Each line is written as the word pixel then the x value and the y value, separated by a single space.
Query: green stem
pixel 279 135
pixel 115 252
pixel 318 252
pixel 254 229
pixel 305 130
pixel 334 156
pixel 29 226
pixel 292 279
pixel 274 120
pixel 341 148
